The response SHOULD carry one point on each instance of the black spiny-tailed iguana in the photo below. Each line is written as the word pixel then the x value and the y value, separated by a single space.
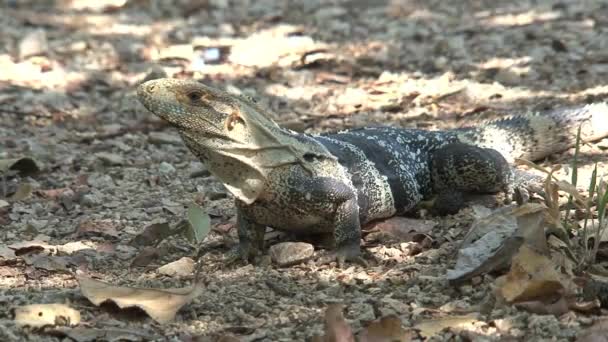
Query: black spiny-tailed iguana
pixel 334 183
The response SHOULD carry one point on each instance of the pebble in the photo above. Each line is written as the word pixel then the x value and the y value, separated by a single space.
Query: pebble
pixel 166 168
pixel 164 138
pixel 110 159
pixel 101 181
pixel 286 254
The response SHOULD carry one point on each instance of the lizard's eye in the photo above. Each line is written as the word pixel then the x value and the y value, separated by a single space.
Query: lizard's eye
pixel 194 95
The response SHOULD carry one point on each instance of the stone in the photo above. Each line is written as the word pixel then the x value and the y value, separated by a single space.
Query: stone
pixel 290 253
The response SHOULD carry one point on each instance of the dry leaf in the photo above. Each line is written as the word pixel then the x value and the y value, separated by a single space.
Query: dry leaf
pixel 146 256
pixel 556 308
pixel 97 227
pixel 533 276
pixel 24 190
pixel 179 268
pixel 160 304
pixel 336 327
pixel 39 315
pixel 152 235
pixel 402 228
pixel 387 329
pixel 432 327
pixel 495 238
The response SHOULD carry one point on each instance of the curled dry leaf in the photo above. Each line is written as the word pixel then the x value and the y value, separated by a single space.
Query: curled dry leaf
pixel 40 315
pixel 495 238
pixel 25 247
pixel 534 276
pixel 160 304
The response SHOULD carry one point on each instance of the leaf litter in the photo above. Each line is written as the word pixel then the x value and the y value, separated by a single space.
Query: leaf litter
pixel 160 304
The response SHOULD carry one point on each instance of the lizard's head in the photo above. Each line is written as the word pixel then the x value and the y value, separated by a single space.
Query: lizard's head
pixel 196 109
pixel 234 137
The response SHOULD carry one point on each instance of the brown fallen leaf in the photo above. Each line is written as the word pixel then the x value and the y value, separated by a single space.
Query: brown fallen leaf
pixel 387 329
pixel 145 257
pixel 152 235
pixel 336 328
pixel 53 193
pixel 556 308
pixel 401 228
pixel 97 227
pixel 534 276
pixel 432 327
pixel 24 190
pixel 35 246
pixel 160 304
pixel 40 315
pixel 182 267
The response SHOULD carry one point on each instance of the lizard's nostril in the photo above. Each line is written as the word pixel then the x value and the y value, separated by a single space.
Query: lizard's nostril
pixel 151 88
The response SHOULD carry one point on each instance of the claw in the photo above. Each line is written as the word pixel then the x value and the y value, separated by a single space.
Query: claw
pixel 350 253
pixel 237 254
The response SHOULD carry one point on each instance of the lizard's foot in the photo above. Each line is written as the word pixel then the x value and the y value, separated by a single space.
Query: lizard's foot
pixel 448 202
pixel 350 253
pixel 240 253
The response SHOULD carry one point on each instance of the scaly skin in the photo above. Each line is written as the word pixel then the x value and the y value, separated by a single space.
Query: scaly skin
pixel 334 183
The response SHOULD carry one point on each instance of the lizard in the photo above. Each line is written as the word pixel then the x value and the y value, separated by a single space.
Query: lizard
pixel 333 183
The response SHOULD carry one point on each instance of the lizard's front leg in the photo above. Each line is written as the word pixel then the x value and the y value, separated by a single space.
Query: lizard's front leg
pixel 347 232
pixel 340 201
pixel 251 238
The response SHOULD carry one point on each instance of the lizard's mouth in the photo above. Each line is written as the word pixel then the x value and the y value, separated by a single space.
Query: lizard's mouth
pixel 158 100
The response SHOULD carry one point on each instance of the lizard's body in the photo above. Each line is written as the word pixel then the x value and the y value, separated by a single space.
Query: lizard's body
pixel 334 183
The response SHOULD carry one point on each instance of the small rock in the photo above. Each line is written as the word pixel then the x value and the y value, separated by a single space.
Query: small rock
pixel 290 253
pixel 179 268
pixel 166 168
pixel 216 192
pixel 101 181
pixel 91 199
pixel 164 138
pixel 110 159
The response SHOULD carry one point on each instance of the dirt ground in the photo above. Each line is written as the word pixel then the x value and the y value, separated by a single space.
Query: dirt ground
pixel 108 169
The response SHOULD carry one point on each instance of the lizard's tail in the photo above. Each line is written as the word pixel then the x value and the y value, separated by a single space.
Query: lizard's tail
pixel 535 136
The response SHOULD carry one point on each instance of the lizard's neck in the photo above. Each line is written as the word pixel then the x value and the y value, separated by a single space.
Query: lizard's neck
pixel 244 167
